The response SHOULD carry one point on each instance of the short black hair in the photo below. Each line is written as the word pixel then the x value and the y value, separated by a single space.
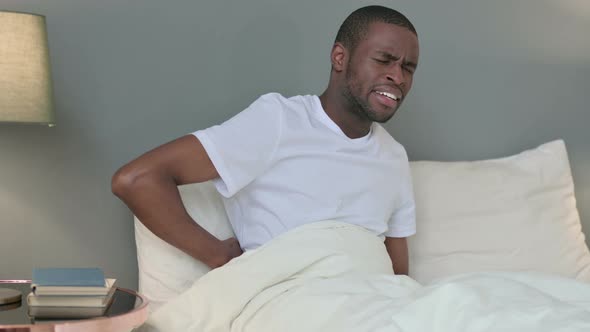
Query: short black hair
pixel 356 25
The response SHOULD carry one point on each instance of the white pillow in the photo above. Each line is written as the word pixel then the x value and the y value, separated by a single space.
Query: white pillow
pixel 165 271
pixel 514 214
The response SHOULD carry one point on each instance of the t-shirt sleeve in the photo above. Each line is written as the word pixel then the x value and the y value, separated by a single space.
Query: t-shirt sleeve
pixel 403 220
pixel 244 146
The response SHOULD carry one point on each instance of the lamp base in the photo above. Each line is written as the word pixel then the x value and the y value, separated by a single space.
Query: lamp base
pixel 9 296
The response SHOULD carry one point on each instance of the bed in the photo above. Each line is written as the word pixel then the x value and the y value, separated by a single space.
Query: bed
pixel 499 247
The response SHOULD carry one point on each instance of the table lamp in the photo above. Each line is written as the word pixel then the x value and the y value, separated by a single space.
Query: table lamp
pixel 26 94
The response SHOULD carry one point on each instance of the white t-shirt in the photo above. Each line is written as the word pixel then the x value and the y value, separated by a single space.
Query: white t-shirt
pixel 283 163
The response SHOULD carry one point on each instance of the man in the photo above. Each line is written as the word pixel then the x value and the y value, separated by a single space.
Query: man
pixel 284 162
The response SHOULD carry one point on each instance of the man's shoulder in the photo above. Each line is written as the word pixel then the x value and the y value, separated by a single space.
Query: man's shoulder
pixel 386 139
pixel 294 106
pixel 278 98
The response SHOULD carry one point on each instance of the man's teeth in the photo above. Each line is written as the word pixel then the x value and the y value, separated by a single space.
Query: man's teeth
pixel 387 94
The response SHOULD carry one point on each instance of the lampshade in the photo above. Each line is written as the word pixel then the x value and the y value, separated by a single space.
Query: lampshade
pixel 26 94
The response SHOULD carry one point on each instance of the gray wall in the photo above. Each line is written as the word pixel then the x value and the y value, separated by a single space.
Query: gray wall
pixel 495 77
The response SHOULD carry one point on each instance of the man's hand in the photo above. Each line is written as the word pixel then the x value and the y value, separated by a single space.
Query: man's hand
pixel 228 250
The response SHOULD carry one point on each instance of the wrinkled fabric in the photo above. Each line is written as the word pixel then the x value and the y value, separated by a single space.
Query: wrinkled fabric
pixel 331 276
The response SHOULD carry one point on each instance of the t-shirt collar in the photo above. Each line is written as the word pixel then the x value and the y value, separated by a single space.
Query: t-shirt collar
pixel 325 119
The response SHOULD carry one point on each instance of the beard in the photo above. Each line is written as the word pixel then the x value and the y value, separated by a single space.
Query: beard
pixel 359 105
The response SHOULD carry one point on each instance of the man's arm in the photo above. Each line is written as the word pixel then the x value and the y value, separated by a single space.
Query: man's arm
pixel 148 186
pixel 397 248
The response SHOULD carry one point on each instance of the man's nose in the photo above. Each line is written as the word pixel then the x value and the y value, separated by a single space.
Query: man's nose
pixel 396 74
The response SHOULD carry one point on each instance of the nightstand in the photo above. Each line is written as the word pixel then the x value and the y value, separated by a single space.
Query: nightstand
pixel 127 311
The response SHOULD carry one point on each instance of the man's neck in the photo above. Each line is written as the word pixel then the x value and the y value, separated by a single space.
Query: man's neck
pixel 340 111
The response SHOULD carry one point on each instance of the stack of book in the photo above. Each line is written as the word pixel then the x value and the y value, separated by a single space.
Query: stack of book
pixel 69 293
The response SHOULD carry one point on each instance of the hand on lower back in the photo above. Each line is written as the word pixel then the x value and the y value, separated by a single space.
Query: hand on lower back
pixel 228 250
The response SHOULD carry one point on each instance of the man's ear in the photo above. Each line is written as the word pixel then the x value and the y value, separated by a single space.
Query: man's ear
pixel 339 57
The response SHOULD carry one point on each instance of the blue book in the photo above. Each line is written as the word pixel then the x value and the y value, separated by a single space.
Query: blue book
pixel 90 277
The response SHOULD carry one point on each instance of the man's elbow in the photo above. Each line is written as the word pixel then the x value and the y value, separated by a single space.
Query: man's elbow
pixel 124 181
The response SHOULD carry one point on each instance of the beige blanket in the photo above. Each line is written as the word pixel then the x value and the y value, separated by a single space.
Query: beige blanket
pixel 330 276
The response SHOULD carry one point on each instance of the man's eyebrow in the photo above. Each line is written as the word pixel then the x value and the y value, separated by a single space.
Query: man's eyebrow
pixel 390 56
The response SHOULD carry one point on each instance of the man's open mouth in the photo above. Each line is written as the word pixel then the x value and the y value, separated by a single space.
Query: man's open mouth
pixel 388 95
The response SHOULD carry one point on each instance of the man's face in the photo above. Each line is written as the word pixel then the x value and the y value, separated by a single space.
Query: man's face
pixel 380 70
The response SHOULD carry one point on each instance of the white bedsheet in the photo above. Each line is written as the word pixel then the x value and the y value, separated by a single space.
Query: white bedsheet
pixel 330 276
